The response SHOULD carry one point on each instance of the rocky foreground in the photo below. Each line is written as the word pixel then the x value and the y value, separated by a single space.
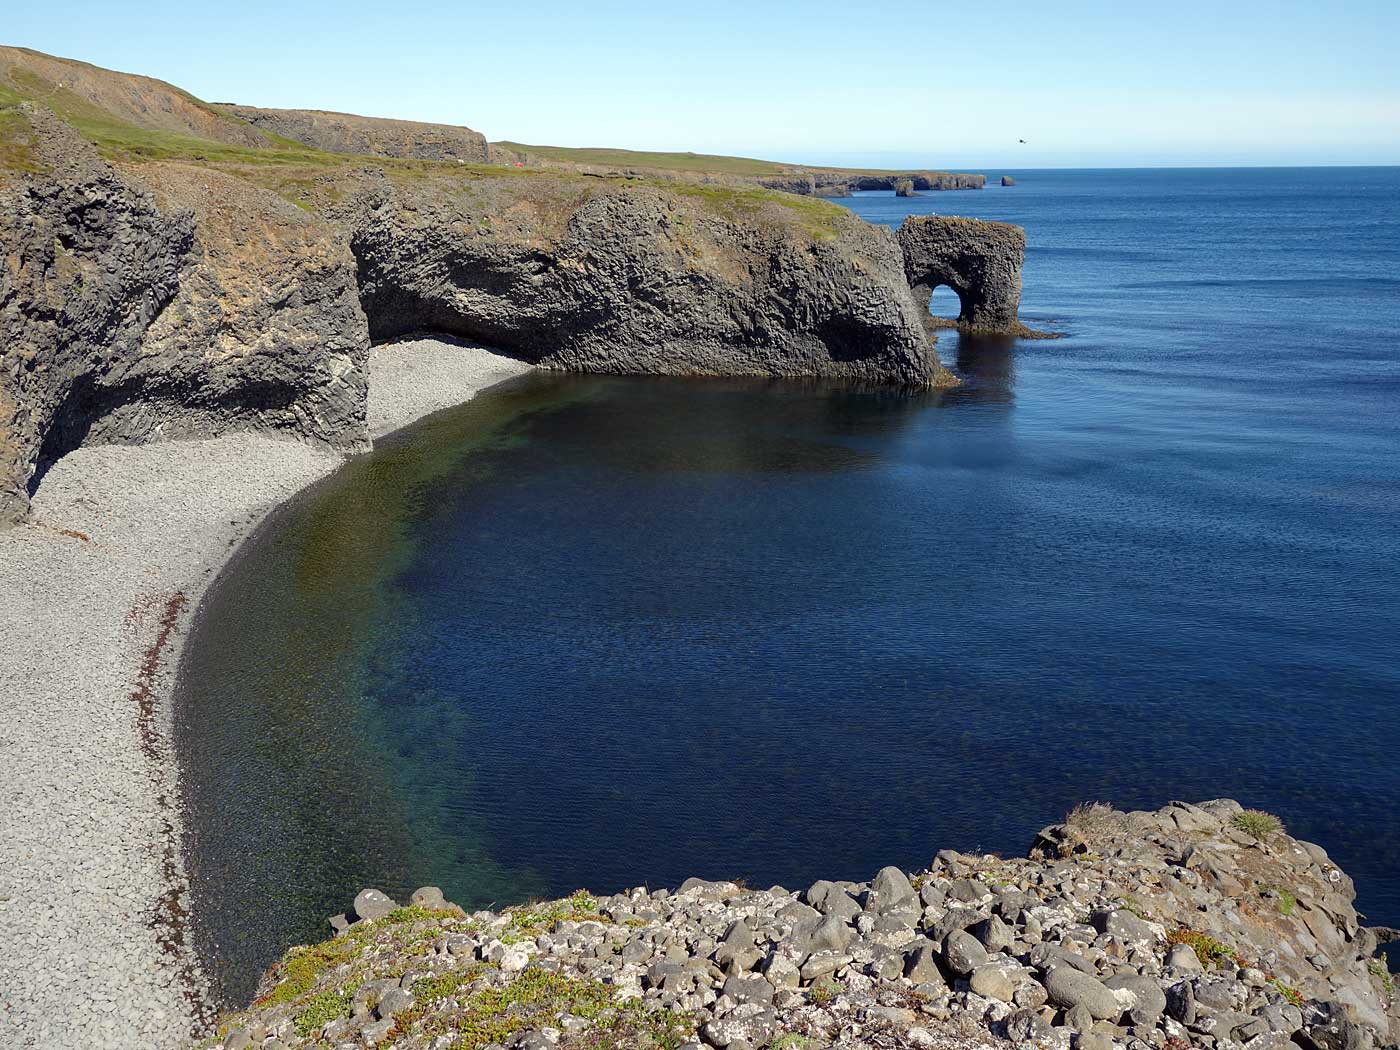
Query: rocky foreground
pixel 1197 925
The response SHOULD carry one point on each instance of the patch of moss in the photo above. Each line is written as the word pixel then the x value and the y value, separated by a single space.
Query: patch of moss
pixel 323 1008
pixel 493 1014
pixel 530 921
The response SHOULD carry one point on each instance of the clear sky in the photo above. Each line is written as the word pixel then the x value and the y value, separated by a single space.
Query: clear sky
pixel 932 83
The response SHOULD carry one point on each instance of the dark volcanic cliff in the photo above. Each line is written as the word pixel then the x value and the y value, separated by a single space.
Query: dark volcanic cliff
pixel 620 277
pixel 123 320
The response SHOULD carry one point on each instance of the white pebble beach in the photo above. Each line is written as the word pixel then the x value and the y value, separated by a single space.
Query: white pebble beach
pixel 97 591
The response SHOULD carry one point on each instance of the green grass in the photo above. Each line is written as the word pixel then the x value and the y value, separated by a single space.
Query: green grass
pixel 818 217
pixel 1257 824
pixel 529 922
pixel 294 171
pixel 702 163
pixel 694 163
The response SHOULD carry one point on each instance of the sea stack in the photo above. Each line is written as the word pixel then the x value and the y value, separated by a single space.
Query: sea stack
pixel 1007 180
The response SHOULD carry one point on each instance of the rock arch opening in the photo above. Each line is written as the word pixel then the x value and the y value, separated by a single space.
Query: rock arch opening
pixel 980 262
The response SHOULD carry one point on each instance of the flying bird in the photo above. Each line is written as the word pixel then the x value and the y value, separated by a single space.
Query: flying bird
pixel 1021 141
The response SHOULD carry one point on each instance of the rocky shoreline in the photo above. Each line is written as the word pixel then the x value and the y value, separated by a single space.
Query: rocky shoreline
pixel 101 584
pixel 1191 926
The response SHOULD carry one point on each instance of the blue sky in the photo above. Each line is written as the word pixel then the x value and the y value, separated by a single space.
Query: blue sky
pixel 931 83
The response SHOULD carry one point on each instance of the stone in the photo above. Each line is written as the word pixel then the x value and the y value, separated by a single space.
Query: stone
pixel 1027 1026
pixel 373 904
pixel 376 1032
pixel 394 1001
pixel 832 935
pixel 429 897
pixel 1122 924
pixel 992 982
pixel 1079 1019
pixel 754 989
pixel 1149 1001
pixel 1068 988
pixel 921 963
pixel 963 953
pixel 1182 959
pixel 889 888
pixel 821 963
pixel 993 934
pixel 1007 180
pixel 781 972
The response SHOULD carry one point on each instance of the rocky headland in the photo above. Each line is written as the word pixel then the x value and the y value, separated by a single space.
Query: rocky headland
pixel 1192 926
pixel 167 279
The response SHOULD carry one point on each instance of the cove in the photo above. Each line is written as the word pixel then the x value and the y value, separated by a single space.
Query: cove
pixel 607 631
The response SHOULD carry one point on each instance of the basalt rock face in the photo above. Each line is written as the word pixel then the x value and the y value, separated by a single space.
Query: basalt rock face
pixel 1138 931
pixel 128 314
pixel 624 277
pixel 980 261
pixel 370 136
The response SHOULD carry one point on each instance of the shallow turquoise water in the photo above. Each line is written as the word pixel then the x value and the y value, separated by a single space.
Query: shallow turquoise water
pixel 603 631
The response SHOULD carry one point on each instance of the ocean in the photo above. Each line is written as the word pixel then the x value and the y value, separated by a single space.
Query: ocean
pixel 610 631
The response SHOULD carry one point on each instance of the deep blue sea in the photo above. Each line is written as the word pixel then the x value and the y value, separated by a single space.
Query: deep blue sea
pixel 602 632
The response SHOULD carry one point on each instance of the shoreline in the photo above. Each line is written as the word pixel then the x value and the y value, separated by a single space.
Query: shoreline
pixel 102 585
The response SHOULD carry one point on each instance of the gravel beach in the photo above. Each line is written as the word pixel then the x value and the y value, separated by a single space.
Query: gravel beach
pixel 99 588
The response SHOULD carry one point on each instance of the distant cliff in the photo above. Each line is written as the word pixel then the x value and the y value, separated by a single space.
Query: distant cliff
pixel 372 136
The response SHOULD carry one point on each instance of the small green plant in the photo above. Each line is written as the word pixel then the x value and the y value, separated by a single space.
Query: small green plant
pixel 790 1041
pixel 322 1008
pixel 1288 992
pixel 1257 824
pixel 1207 948
pixel 821 993
pixel 1379 968
pixel 1090 816
pixel 1286 901
pixel 1131 905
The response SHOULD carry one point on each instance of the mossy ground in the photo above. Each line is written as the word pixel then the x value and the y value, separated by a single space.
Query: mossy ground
pixel 474 1003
